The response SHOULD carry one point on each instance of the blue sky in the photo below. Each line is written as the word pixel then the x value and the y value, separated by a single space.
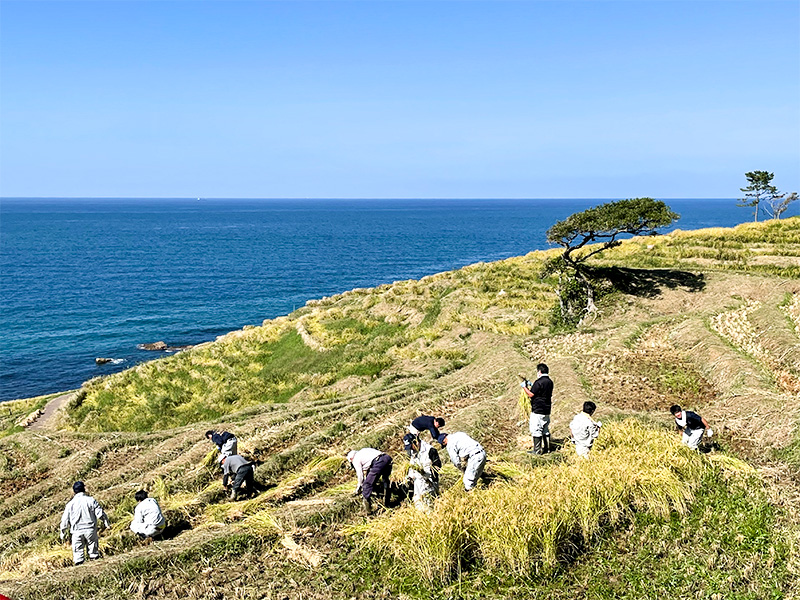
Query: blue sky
pixel 397 99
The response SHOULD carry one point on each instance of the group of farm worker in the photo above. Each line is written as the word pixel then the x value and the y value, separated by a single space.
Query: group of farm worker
pixel 583 427
pixel 374 468
pixel 236 469
pixel 83 513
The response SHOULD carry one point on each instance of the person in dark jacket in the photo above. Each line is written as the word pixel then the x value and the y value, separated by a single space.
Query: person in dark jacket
pixel 242 472
pixel 691 424
pixel 426 423
pixel 226 443
pixel 540 393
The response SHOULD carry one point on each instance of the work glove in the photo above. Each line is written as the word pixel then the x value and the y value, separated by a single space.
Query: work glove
pixel 709 432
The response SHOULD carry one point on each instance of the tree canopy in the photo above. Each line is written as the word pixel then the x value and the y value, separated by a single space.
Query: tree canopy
pixel 603 224
pixel 760 190
pixel 606 223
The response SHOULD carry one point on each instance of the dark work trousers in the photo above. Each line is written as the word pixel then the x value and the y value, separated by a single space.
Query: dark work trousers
pixel 244 474
pixel 381 467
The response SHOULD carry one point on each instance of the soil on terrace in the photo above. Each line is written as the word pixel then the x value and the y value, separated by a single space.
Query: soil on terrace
pixel 626 361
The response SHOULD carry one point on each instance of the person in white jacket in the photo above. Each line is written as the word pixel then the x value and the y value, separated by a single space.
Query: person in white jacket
pixel 462 447
pixel 585 429
pixel 148 520
pixel 423 472
pixel 80 518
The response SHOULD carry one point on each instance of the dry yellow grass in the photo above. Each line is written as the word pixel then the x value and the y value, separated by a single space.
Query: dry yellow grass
pixel 525 526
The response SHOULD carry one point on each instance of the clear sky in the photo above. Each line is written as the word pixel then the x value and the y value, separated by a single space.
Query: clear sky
pixel 398 99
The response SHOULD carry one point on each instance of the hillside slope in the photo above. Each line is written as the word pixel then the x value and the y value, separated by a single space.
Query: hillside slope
pixel 707 319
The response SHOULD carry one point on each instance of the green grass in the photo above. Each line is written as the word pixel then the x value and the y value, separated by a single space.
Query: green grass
pixel 208 383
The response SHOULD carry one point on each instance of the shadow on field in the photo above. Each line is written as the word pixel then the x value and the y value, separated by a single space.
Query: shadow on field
pixel 174 528
pixel 648 283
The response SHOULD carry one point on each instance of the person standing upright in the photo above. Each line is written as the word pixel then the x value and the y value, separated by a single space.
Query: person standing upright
pixel 540 393
pixel 80 519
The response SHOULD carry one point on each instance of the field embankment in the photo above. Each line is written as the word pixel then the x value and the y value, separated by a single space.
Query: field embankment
pixel 707 319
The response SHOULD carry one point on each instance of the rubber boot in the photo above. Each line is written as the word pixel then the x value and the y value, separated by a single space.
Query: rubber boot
pixel 537 445
pixel 546 445
pixel 366 505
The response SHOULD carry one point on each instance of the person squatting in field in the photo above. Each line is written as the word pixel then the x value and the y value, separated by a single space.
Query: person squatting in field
pixel 80 518
pixel 423 472
pixel 148 520
pixel 540 393
pixel 691 424
pixel 462 447
pixel 584 429
pixel 378 468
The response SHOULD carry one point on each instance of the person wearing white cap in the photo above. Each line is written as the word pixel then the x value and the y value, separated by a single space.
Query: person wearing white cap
pixel 462 447
pixel 378 467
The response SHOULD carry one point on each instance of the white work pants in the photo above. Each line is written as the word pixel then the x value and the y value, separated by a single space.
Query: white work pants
pixel 474 469
pixel 539 425
pixel 582 450
pixel 84 538
pixel 423 490
pixel 692 438
pixel 229 448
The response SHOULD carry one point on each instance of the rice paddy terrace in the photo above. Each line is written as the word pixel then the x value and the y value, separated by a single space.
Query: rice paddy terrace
pixel 708 319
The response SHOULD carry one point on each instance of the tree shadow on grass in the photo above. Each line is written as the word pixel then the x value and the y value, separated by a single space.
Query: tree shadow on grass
pixel 648 283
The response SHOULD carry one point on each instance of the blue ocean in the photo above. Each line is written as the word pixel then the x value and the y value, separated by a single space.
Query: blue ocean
pixel 95 278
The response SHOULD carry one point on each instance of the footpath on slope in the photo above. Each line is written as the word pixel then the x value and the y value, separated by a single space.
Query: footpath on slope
pixel 50 410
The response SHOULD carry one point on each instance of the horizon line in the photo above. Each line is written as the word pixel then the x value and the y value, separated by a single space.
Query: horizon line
pixel 356 198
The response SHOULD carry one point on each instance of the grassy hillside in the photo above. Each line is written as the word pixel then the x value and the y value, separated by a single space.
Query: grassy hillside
pixel 708 319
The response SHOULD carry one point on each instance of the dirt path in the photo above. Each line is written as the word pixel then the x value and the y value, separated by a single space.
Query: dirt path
pixel 50 409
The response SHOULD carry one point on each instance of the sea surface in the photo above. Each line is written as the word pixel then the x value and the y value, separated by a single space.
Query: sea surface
pixel 87 278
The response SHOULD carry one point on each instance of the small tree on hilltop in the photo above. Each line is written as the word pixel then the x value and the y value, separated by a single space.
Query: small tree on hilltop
pixel 780 204
pixel 760 190
pixel 605 223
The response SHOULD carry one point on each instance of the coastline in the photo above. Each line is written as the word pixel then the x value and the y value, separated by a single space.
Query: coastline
pixel 245 272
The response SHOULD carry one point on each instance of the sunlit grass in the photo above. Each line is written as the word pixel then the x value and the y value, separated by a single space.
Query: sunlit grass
pixel 525 526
